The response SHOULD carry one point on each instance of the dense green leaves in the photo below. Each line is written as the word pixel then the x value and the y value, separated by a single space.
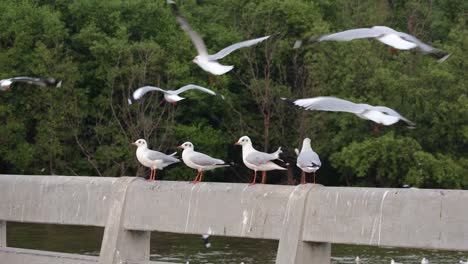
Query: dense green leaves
pixel 104 50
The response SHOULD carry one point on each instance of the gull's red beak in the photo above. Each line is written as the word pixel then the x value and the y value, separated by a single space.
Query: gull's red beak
pixel 180 147
pixel 133 143
pixel 237 143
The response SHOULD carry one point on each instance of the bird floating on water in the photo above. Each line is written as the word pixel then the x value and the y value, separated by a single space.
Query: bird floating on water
pixel 199 161
pixel 256 160
pixel 357 260
pixel 463 262
pixel 424 261
pixel 206 61
pixel 152 159
pixel 5 84
pixel 386 35
pixel 393 262
pixel 307 160
pixel 379 114
pixel 171 96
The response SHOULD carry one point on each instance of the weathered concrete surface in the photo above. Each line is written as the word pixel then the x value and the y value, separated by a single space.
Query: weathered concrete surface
pixel 291 248
pixel 55 199
pixel 226 209
pixel 415 218
pixel 120 245
pixel 28 256
pixel 3 234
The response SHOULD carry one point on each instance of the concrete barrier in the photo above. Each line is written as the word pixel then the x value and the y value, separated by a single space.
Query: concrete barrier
pixel 306 219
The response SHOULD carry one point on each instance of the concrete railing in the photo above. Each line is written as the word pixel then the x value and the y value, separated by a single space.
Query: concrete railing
pixel 305 219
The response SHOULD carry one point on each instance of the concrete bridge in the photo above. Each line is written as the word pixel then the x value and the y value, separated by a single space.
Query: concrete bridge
pixel 306 219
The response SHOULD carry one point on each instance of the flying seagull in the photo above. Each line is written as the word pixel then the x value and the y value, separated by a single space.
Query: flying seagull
pixel 153 159
pixel 171 96
pixel 256 160
pixel 199 161
pixel 5 84
pixel 379 114
pixel 386 35
pixel 307 160
pixel 206 61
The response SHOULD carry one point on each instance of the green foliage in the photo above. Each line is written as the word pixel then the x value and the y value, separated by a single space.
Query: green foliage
pixel 104 50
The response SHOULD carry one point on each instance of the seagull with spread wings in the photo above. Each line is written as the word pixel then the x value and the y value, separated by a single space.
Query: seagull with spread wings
pixel 171 96
pixel 5 84
pixel 206 61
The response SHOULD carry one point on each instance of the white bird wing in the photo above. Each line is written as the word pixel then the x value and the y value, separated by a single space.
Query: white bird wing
pixel 138 93
pixel 201 159
pixel 392 112
pixel 37 81
pixel 191 87
pixel 196 39
pixel 327 103
pixel 425 48
pixel 309 158
pixel 226 51
pixel 156 155
pixel 259 158
pixel 351 34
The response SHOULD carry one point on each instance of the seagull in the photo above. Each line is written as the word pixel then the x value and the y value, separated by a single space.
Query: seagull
pixel 153 159
pixel 206 61
pixel 199 161
pixel 6 83
pixel 256 160
pixel 463 262
pixel 393 262
pixel 379 114
pixel 424 261
pixel 357 260
pixel 386 35
pixel 171 96
pixel 307 160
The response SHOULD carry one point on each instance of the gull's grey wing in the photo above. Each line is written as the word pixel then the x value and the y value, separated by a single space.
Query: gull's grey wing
pixel 138 93
pixel 226 51
pixel 327 103
pixel 156 155
pixel 425 48
pixel 192 86
pixel 392 112
pixel 259 158
pixel 351 34
pixel 205 160
pixel 309 158
pixel 196 39
pixel 37 81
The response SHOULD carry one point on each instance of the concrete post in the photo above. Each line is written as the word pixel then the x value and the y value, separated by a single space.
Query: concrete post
pixel 3 236
pixel 120 245
pixel 291 248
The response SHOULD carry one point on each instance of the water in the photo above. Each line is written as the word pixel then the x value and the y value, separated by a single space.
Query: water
pixel 181 248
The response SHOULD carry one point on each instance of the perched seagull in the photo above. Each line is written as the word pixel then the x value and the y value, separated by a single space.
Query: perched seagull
pixel 256 160
pixel 386 35
pixel 393 262
pixel 206 61
pixel 424 261
pixel 379 114
pixel 199 161
pixel 171 96
pixel 153 159
pixel 307 160
pixel 6 83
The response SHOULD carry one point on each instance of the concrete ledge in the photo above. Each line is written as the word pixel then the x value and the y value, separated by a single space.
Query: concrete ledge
pixel 226 209
pixel 29 256
pixel 55 199
pixel 413 218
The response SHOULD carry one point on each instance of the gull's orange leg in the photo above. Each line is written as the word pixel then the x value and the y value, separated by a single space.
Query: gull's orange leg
pixel 303 177
pixel 254 178
pixel 263 177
